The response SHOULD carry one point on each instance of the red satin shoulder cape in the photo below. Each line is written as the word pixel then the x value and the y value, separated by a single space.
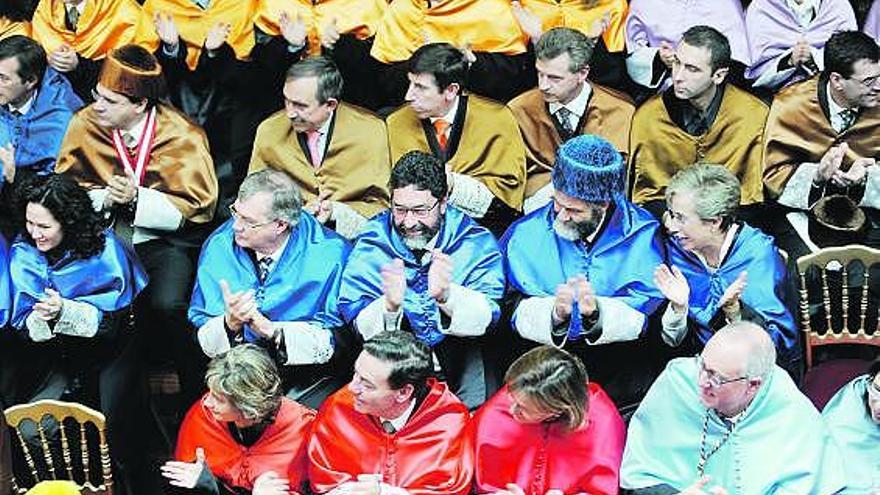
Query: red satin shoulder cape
pixel 429 456
pixel 542 457
pixel 281 448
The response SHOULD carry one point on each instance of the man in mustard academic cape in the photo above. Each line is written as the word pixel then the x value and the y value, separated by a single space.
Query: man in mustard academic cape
pixel 822 139
pixel 700 119
pixel 78 35
pixel 565 105
pixel 476 138
pixel 148 169
pixel 337 153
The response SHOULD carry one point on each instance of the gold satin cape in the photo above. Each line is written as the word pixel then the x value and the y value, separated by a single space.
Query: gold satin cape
pixel 103 26
pixel 799 132
pixel 576 14
pixel 357 17
pixel 11 28
pixel 609 114
pixel 659 148
pixel 355 167
pixel 490 149
pixel 194 23
pixel 179 166
pixel 485 25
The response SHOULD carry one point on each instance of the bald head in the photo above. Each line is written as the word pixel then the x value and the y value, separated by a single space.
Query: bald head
pixel 747 343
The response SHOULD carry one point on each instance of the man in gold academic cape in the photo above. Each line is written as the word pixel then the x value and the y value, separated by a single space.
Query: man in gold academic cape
pixel 700 119
pixel 337 153
pixel 342 30
pixel 476 138
pixel 823 138
pixel 501 67
pixel 147 167
pixel 565 105
pixel 78 34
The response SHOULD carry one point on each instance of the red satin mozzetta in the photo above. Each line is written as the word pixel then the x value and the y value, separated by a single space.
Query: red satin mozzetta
pixel 430 455
pixel 541 457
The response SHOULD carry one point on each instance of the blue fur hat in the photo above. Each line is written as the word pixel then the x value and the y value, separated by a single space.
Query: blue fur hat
pixel 589 168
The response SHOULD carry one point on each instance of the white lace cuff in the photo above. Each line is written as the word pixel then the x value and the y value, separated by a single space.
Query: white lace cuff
pixel 212 337
pixel 470 312
pixel 674 326
pixel 470 195
pixel 306 343
pixel 38 329
pixel 540 198
pixel 796 193
pixel 79 319
pixel 349 222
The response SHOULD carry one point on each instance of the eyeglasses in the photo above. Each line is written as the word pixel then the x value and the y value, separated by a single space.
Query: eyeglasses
pixel 868 82
pixel 251 225
pixel 712 377
pixel 420 212
pixel 99 97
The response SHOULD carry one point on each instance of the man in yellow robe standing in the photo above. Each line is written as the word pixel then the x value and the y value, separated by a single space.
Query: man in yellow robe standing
pixel 337 153
pixel 78 35
pixel 147 168
pixel 476 138
pixel 565 105
pixel 700 119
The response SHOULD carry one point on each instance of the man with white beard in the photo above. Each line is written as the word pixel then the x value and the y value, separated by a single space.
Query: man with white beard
pixel 577 268
pixel 426 267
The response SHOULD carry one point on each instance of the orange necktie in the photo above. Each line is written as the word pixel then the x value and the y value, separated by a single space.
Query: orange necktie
pixel 440 128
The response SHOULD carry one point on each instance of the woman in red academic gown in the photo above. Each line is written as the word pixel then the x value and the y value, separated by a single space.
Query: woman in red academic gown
pixel 548 431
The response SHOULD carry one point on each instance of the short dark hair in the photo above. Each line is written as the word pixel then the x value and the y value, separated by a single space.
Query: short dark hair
pixel 845 48
pixel 711 39
pixel 17 10
pixel 443 61
pixel 330 82
pixel 560 40
pixel 71 206
pixel 410 359
pixel 422 170
pixel 30 55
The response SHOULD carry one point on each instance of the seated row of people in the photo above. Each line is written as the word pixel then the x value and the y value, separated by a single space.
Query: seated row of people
pixel 721 419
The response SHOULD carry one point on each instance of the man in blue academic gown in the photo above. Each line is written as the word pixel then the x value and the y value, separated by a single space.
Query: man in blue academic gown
pixel 426 267
pixel 578 268
pixel 853 417
pixel 732 416
pixel 36 104
pixel 270 275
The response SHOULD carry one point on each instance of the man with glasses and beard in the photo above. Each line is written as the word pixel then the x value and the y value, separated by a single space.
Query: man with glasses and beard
pixel 578 271
pixel 426 267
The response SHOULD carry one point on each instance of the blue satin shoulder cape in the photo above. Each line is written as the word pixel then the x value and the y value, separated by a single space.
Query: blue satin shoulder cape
pixel 857 436
pixel 5 289
pixel 37 135
pixel 109 281
pixel 780 445
pixel 302 286
pixel 476 264
pixel 754 252
pixel 620 264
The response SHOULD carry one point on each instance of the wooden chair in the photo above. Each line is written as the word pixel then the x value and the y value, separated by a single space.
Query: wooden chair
pixel 34 413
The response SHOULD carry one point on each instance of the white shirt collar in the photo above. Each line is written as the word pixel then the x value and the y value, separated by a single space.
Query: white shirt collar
pixel 399 422
pixel 577 106
pixel 276 255
pixel 26 106
pixel 725 247
pixel 325 127
pixel 138 128
pixel 450 115
pixel 805 11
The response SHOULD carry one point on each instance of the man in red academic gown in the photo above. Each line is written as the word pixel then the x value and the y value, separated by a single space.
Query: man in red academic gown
pixel 393 430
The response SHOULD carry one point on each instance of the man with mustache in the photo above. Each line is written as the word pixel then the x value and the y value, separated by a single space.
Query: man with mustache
pixel 577 267
pixel 565 105
pixel 337 153
pixel 821 138
pixel 426 267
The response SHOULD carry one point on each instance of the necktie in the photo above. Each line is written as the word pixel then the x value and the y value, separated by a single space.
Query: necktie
pixel 440 128
pixel 264 265
pixel 388 427
pixel 72 17
pixel 563 116
pixel 312 138
pixel 848 118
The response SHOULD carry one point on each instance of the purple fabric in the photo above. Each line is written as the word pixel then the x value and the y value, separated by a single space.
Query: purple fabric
pixel 652 21
pixel 872 22
pixel 773 29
